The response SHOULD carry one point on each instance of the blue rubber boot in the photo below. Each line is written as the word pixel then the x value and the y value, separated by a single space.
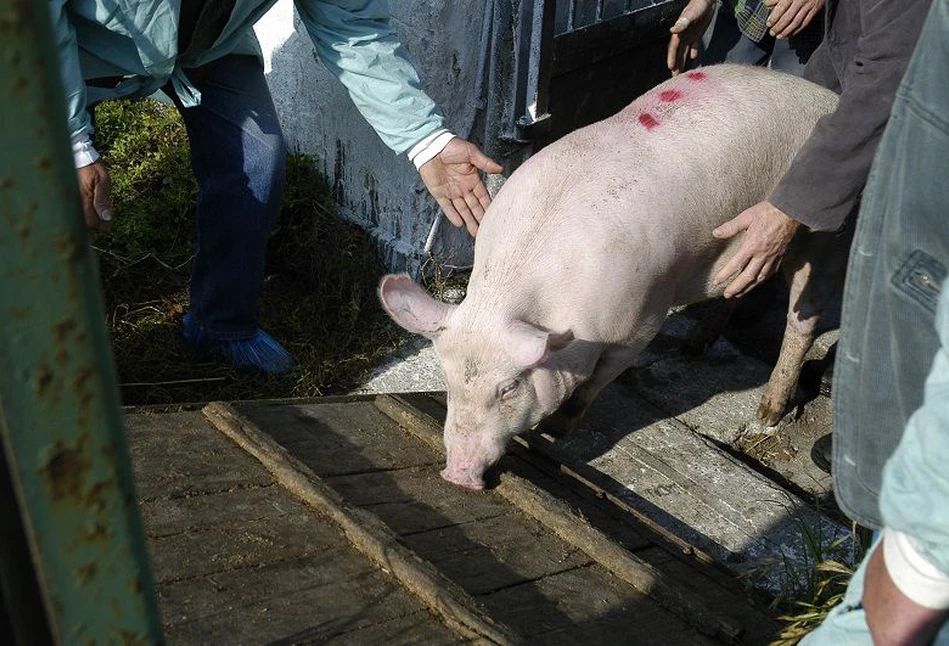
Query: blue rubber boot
pixel 260 352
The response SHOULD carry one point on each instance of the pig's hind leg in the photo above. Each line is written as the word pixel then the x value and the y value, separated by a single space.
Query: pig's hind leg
pixel 814 268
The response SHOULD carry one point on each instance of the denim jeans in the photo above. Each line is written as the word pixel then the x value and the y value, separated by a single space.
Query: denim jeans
pixel 729 45
pixel 238 156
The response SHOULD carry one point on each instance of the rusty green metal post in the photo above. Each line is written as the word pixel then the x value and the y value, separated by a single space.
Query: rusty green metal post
pixel 60 417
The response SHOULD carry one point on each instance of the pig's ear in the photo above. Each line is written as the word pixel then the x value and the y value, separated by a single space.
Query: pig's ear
pixel 530 345
pixel 412 307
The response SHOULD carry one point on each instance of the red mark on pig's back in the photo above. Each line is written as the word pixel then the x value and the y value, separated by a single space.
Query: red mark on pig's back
pixel 648 121
pixel 670 96
pixel 696 76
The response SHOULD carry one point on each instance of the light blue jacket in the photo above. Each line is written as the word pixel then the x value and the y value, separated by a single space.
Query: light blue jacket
pixel 138 40
pixel 915 495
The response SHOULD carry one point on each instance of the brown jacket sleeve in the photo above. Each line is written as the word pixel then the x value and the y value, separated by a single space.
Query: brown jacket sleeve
pixel 869 44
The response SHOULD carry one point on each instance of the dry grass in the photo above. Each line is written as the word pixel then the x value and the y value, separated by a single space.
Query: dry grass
pixel 819 584
pixel 319 299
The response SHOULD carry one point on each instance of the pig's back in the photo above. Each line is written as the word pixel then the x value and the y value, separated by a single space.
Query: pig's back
pixel 686 156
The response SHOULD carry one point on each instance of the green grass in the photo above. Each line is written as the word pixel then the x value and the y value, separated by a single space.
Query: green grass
pixel 319 299
pixel 818 584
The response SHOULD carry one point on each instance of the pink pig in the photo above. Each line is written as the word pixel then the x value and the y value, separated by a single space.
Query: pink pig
pixel 594 238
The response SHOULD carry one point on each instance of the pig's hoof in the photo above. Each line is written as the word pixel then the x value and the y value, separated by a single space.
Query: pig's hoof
pixel 767 416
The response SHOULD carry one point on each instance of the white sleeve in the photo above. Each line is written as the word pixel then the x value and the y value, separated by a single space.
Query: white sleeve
pixel 912 573
pixel 83 152
pixel 425 150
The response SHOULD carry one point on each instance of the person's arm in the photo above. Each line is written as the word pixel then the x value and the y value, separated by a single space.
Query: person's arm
pixel 93 178
pixel 687 33
pixel 822 186
pixel 824 182
pixel 355 42
pixel 905 597
pixel 789 17
pixel 906 594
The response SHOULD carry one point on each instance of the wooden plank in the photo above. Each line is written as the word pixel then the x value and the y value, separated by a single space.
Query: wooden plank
pixel 570 602
pixel 558 517
pixel 239 546
pixel 173 455
pixel 489 555
pixel 318 597
pixel 446 503
pixel 413 517
pixel 310 433
pixel 239 559
pixel 657 465
pixel 366 532
pixel 419 628
pixel 545 474
pixel 721 594
pixel 169 516
pixel 716 394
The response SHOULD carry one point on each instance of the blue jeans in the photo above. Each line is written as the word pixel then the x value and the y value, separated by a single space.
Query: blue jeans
pixel 238 156
pixel 729 45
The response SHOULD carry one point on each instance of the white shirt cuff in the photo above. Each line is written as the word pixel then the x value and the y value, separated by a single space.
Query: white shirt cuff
pixel 425 150
pixel 912 573
pixel 83 152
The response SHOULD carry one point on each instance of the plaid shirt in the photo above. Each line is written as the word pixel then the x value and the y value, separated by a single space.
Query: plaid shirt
pixel 751 16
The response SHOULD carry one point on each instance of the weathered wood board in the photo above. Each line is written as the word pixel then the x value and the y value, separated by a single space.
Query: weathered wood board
pixel 239 559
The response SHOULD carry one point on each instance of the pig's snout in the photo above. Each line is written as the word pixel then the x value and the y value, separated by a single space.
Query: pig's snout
pixel 467 467
pixel 469 455
pixel 463 477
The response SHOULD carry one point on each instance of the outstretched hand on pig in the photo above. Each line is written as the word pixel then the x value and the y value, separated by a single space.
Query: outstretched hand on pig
pixel 453 180
pixel 768 232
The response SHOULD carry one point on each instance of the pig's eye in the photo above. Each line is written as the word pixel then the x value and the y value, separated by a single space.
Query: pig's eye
pixel 507 390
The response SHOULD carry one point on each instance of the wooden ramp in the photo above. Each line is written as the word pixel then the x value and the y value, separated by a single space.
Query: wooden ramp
pixel 326 520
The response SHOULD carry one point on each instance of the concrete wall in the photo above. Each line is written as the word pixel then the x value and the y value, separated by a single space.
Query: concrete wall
pixel 466 53
pixel 375 188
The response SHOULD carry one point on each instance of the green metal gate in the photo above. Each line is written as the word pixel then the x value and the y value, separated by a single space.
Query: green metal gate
pixel 74 564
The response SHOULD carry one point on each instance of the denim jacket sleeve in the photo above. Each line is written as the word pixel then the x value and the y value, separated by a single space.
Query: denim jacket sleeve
pixel 355 42
pixel 915 495
pixel 74 87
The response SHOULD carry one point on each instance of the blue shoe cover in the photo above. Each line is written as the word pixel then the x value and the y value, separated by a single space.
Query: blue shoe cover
pixel 259 352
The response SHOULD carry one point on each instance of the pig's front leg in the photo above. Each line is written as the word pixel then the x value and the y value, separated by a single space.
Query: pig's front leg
pixel 710 326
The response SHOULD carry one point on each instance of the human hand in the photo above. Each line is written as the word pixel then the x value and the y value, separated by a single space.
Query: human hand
pixel 893 618
pixel 95 190
pixel 768 231
pixel 788 17
pixel 453 180
pixel 686 34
